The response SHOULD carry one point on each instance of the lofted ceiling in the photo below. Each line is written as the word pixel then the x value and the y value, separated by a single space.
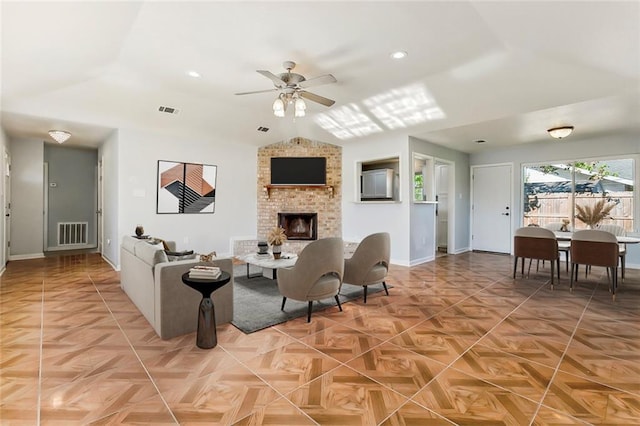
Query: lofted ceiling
pixel 503 72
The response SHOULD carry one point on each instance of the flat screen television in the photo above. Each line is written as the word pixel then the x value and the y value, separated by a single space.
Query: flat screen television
pixel 298 171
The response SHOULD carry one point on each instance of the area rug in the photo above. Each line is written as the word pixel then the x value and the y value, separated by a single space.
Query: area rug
pixel 257 301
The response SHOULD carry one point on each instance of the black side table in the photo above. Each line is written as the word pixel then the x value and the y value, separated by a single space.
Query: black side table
pixel 206 337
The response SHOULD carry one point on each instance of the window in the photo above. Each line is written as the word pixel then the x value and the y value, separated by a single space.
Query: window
pixel 580 194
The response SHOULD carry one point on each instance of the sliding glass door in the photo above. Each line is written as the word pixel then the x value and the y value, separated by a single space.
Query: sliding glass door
pixel 579 194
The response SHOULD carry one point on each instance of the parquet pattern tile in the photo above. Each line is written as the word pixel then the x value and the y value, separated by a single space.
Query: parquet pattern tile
pixel 457 341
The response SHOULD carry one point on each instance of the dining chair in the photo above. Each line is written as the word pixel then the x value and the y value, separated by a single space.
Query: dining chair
pixel 536 243
pixel 592 247
pixel 618 231
pixel 563 246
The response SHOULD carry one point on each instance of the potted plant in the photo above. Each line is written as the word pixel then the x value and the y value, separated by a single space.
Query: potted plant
pixel 593 215
pixel 276 238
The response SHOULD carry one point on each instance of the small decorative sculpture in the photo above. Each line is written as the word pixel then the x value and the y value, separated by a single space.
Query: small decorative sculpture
pixel 565 225
pixel 208 257
pixel 263 247
pixel 139 231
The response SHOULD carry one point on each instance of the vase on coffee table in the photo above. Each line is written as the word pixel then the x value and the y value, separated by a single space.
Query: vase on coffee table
pixel 276 249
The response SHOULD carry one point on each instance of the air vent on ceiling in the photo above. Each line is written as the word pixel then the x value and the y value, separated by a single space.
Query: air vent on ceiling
pixel 263 129
pixel 168 110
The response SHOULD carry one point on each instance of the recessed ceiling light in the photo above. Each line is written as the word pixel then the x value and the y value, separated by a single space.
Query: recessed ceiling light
pixel 399 54
pixel 193 74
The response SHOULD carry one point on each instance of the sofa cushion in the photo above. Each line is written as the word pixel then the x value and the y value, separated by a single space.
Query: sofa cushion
pixel 128 243
pixel 151 254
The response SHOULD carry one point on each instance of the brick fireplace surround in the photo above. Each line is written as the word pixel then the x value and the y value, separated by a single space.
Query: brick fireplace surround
pixel 327 205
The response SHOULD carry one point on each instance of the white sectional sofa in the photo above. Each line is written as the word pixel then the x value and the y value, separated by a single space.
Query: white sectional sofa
pixel 154 285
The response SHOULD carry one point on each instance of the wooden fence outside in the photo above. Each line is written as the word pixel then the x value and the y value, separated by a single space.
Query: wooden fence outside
pixel 557 206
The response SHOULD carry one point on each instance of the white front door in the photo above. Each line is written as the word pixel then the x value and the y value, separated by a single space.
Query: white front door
pixel 491 208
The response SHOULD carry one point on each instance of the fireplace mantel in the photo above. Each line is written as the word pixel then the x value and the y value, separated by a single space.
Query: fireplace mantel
pixel 268 188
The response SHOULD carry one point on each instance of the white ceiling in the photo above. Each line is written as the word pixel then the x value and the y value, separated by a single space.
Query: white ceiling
pixel 503 72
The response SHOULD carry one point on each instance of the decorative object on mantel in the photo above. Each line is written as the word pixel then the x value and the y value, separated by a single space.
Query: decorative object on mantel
pixel 593 215
pixel 276 238
pixel 186 187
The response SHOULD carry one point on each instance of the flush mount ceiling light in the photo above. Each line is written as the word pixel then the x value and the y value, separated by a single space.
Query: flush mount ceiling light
pixel 59 136
pixel 560 132
pixel 399 54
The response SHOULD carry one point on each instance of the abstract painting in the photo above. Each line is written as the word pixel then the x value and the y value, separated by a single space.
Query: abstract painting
pixel 186 187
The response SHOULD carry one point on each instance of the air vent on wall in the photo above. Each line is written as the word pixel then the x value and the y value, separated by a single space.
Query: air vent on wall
pixel 263 129
pixel 168 110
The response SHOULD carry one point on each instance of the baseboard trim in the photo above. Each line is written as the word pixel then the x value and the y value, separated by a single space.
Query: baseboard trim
pixel 26 256
pixel 115 268
pixel 420 261
pixel 73 247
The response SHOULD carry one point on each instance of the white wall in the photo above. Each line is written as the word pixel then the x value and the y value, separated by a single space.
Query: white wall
pixel 27 204
pixel 462 186
pixel 360 219
pixel 108 154
pixel 236 190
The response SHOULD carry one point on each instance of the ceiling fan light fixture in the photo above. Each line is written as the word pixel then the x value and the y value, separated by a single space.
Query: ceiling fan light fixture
pixel 300 107
pixel 60 136
pixel 560 132
pixel 278 107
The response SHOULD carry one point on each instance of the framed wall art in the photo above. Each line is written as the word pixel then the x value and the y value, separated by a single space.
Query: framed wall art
pixel 186 187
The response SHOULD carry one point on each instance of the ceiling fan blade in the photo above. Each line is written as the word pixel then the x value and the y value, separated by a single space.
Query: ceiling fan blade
pixel 317 81
pixel 271 76
pixel 317 98
pixel 257 91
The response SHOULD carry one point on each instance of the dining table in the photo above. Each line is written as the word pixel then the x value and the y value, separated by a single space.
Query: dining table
pixel 566 236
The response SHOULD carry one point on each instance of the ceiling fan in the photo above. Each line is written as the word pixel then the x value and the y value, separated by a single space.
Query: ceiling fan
pixel 292 89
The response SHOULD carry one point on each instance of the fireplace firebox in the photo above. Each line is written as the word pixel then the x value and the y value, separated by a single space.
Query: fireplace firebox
pixel 299 226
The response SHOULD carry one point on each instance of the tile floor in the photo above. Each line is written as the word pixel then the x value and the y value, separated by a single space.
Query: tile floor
pixel 458 341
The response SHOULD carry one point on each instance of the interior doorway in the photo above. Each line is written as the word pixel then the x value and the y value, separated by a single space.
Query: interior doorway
pixel 444 188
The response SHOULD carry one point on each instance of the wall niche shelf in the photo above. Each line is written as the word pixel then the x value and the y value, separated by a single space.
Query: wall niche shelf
pixel 269 188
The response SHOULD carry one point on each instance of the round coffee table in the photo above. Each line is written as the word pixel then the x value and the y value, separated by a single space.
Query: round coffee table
pixel 206 336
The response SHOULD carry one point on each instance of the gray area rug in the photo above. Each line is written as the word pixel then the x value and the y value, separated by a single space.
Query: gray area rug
pixel 257 301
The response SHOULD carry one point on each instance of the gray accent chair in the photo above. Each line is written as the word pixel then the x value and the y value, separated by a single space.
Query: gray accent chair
pixel 369 263
pixel 316 275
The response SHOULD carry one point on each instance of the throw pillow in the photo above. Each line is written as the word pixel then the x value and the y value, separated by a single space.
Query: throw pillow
pixel 180 255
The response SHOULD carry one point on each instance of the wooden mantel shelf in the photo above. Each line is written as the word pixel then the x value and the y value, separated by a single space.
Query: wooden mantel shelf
pixel 268 188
